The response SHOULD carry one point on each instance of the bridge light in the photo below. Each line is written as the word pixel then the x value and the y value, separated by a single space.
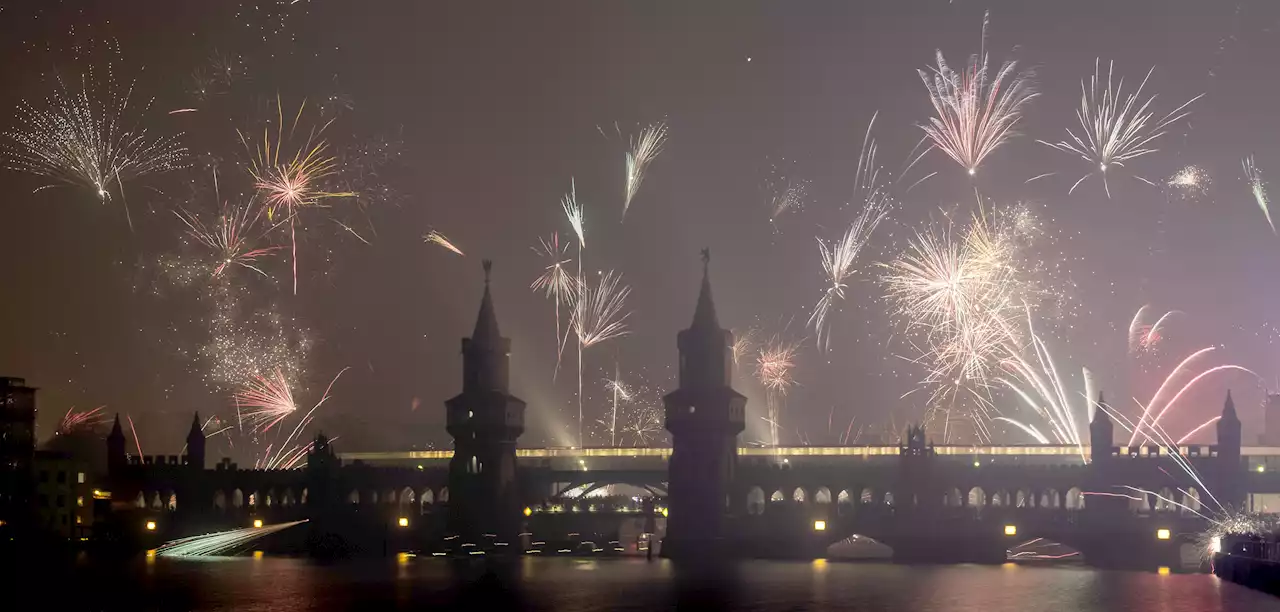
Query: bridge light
pixel 404 521
pixel 819 525
pixel 1163 570
pixel 1163 534
pixel 151 525
pixel 528 510
pixel 977 464
pixel 257 523
pixel 664 513
pixel 1262 468
pixel 1011 530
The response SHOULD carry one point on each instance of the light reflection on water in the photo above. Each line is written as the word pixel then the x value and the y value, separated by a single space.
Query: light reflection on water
pixel 577 585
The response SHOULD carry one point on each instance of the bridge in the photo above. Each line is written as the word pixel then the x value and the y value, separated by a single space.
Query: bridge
pixel 706 495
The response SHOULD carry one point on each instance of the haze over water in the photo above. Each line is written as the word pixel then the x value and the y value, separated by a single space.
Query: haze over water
pixel 581 585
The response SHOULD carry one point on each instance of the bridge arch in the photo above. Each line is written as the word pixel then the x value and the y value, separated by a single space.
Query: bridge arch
pixel 844 502
pixel 822 496
pixel 237 499
pixel 867 496
pixel 798 495
pixel 755 501
pixel 977 498
pixel 952 498
pixel 1075 499
pixel 444 495
pixel 220 500
pixel 1049 498
pixel 1191 501
pixel 777 496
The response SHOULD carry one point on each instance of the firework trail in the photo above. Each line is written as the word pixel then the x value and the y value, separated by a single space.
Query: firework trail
pixel 219 544
pixel 619 390
pixel 598 316
pixel 1040 386
pixel 977 110
pixel 786 196
pixel 75 421
pixel 555 282
pixel 1254 176
pixel 289 183
pixel 643 150
pixel 1115 127
pixel 75 139
pixel 1159 401
pixel 774 364
pixel 1190 182
pixel 265 401
pixel 137 442
pixel 229 239
pixel 837 264
pixel 434 237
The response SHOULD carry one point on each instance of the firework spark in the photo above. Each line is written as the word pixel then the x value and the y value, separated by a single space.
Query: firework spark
pixel 573 211
pixel 837 264
pixel 1115 127
pixel 1190 181
pixel 434 237
pixel 1259 189
pixel 743 343
pixel 644 424
pixel 229 240
pixel 76 139
pixel 1143 337
pixel 76 421
pixel 289 453
pixel 1040 386
pixel 289 183
pixel 643 149
pixel 977 110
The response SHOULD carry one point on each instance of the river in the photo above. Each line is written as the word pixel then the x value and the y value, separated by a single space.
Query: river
pixel 245 584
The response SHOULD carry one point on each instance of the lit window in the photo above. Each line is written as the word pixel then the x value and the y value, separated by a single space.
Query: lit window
pixel 80 477
pixel 79 501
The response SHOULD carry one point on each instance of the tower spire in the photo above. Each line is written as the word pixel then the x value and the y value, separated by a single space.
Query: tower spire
pixel 486 332
pixel 704 315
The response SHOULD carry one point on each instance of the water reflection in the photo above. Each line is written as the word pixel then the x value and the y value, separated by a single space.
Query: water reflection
pixel 577 585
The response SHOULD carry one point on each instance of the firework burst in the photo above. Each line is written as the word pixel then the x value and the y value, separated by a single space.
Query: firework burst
pixel 643 149
pixel 977 110
pixel 434 237
pixel 555 282
pixel 230 239
pixel 599 315
pixel 75 138
pixel 837 264
pixel 1115 127
pixel 1148 424
pixel 1259 189
pixel 1190 182
pixel 289 171
pixel 265 401
pixel 775 363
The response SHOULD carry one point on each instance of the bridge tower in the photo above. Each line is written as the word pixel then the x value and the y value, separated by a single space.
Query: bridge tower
pixel 1229 470
pixel 116 457
pixel 1101 461
pixel 195 444
pixel 704 415
pixel 484 420
pixel 1270 421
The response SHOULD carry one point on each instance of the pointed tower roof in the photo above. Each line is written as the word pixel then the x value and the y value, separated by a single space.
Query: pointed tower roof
pixel 486 332
pixel 1097 410
pixel 1229 409
pixel 704 315
pixel 116 430
pixel 196 429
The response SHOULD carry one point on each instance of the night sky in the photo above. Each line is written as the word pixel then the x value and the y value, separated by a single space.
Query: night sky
pixel 473 118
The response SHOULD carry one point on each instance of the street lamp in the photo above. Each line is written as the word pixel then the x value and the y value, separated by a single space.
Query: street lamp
pixel 819 525
pixel 151 525
pixel 257 523
pixel 1162 534
pixel 404 521
pixel 1011 530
